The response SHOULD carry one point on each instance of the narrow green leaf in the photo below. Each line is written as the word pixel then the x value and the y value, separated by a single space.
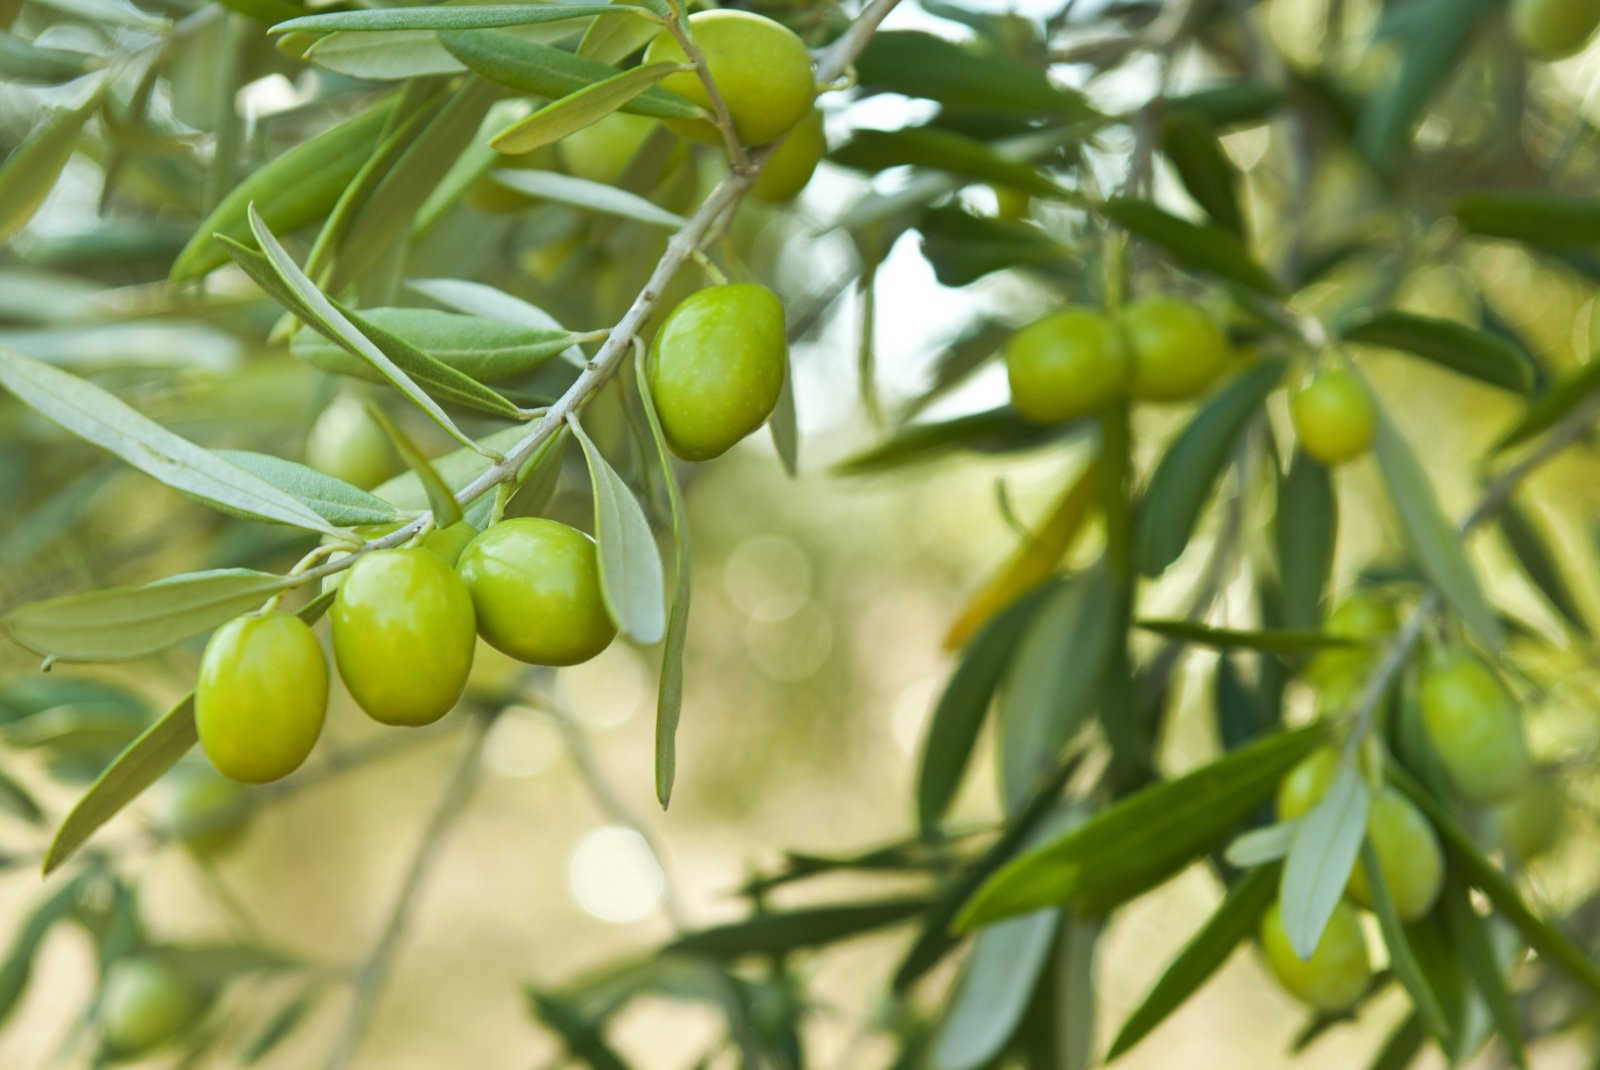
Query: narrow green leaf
pixel 1538 217
pixel 487 349
pixel 1469 935
pixel 573 112
pixel 1184 479
pixel 381 55
pixel 1432 539
pixel 1190 141
pixel 26 62
pixel 30 172
pixel 991 431
pixel 1533 554
pixel 1402 1046
pixel 1402 961
pixel 669 692
pixel 963 79
pixel 591 196
pixel 482 301
pixel 783 931
pixel 1486 357
pixel 1321 857
pixel 611 38
pixel 17 801
pixel 1269 640
pixel 457 468
pixel 1549 408
pixel 35 926
pixel 958 715
pixel 545 71
pixel 1202 247
pixel 1261 845
pixel 582 1037
pixel 784 425
pixel 630 563
pixel 944 150
pixel 1145 838
pixel 441 499
pixel 440 379
pixel 276 1029
pixel 333 499
pixel 963 247
pixel 1305 528
pixel 129 622
pixel 99 417
pixel 1234 920
pixel 486 16
pixel 994 990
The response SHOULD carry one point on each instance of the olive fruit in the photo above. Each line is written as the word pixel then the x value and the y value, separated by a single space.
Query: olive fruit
pixel 261 696
pixel 209 811
pixel 1340 671
pixel 602 151
pixel 1529 823
pixel 1066 365
pixel 790 167
pixel 1475 728
pixel 716 367
pixel 761 68
pixel 403 634
pixel 1409 856
pixel 535 584
pixel 1177 351
pixel 1334 418
pixel 448 542
pixel 1552 29
pixel 144 1004
pixel 346 442
pixel 1336 973
pixel 1307 783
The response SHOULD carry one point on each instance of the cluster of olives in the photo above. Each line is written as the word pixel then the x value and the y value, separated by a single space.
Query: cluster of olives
pixel 404 625
pixel 1553 29
pixel 1474 729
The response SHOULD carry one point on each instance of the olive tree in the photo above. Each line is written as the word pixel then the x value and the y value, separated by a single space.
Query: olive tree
pixel 1195 236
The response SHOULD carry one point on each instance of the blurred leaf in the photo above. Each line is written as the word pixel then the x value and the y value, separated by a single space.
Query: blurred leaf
pixel 1539 217
pixel 1433 540
pixel 1305 528
pixel 441 499
pixel 960 357
pixel 992 431
pixel 333 499
pixel 578 110
pixel 15 800
pixel 546 71
pixel 113 12
pixel 1269 641
pixel 582 1038
pixel 457 468
pixel 1401 1047
pixel 1321 857
pixel 268 11
pixel 630 563
pixel 118 623
pixel 210 965
pixel 1190 141
pixel 612 38
pixel 1201 247
pixel 1261 845
pixel 296 188
pixel 1234 921
pixel 1053 679
pixel 1188 471
pixel 919 64
pixel 778 932
pixel 875 150
pixel 1145 838
pixel 1533 554
pixel 100 418
pixel 1232 103
pixel 1402 962
pixel 486 16
pixel 276 1029
pixel 1549 408
pixel 1240 717
pixel 994 990
pixel 784 425
pixel 963 247
pixel 74 729
pixel 475 299
pixel 23 62
pixel 30 933
pixel 379 55
pixel 30 172
pixel 1469 936
pixel 1460 348
pixel 591 196
pixel 669 692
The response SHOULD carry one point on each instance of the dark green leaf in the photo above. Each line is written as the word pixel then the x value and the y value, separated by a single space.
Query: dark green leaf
pixel 1321 857
pixel 1275 642
pixel 994 990
pixel 1539 217
pixel 942 150
pixel 1402 1045
pixel 15 799
pixel 1402 962
pixel 778 932
pixel 582 1037
pixel 1201 247
pixel 992 431
pixel 1305 528
pixel 1469 935
pixel 1145 838
pixel 1242 101
pixel 546 71
pixel 963 247
pixel 919 64
pixel 284 1021
pixel 18 963
pixel 1460 348
pixel 334 500
pixel 486 16
pixel 1240 717
pixel 1183 480
pixel 1190 142
pixel 1533 554
pixel 1549 408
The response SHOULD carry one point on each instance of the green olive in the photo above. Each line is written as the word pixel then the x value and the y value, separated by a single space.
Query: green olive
pixel 144 1004
pixel 602 151
pixel 1553 29
pixel 536 586
pixel 261 696
pixel 403 634
pixel 1529 823
pixel 347 443
pixel 792 164
pixel 1408 853
pixel 1066 365
pixel 716 368
pixel 1307 783
pixel 1338 970
pixel 761 69
pixel 210 812
pixel 449 542
pixel 1177 350
pixel 1475 728
pixel 1339 672
pixel 1334 418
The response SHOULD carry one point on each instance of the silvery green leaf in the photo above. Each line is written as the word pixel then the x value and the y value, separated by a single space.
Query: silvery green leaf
pixel 333 499
pixel 630 563
pixel 1321 856
pixel 594 196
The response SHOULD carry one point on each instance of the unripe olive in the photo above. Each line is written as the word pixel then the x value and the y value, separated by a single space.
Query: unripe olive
pixel 261 696
pixel 716 368
pixel 1336 973
pixel 209 811
pixel 449 542
pixel 1066 365
pixel 1409 856
pixel 1552 29
pixel 144 1004
pixel 1334 418
pixel 762 71
pixel 1340 671
pixel 535 584
pixel 1307 783
pixel 791 165
pixel 602 151
pixel 1177 350
pixel 347 443
pixel 403 634
pixel 1529 823
pixel 1475 728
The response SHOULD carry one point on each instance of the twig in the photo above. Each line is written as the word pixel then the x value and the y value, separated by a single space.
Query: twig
pixel 719 107
pixel 374 971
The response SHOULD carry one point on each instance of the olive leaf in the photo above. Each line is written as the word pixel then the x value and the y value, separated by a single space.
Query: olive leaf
pixel 441 499
pixel 995 987
pixel 1202 247
pixel 486 16
pixel 1190 141
pixel 1483 356
pixel 16 799
pixel 1305 528
pixel 331 498
pixel 31 171
pixel 1273 641
pixel 284 1021
pixel 486 349
pixel 789 930
pixel 1321 856
pixel 944 150
pixel 631 579
pixel 35 926
pixel 1402 960
pixel 1469 934
pixel 1543 218
pixel 593 196
pixel 578 110
pixel 784 424
pixel 991 431
pixel 1261 845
